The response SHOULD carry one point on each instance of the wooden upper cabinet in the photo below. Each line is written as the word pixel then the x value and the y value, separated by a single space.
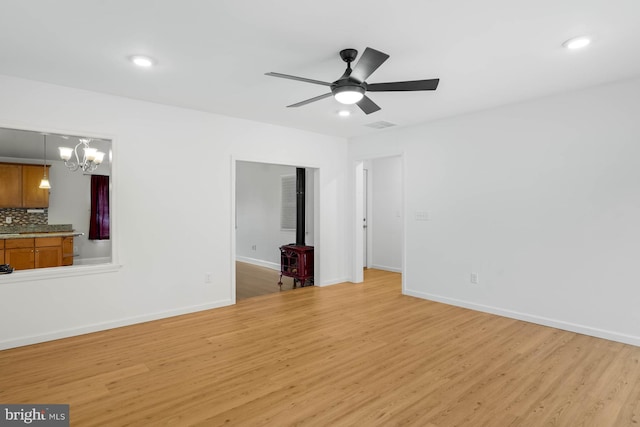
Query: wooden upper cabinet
pixel 10 185
pixel 32 195
pixel 19 186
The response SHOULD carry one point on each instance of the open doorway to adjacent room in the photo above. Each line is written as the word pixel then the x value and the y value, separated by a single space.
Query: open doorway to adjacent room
pixel 266 214
pixel 379 215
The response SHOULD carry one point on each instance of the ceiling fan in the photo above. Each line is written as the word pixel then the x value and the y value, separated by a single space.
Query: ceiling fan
pixel 351 87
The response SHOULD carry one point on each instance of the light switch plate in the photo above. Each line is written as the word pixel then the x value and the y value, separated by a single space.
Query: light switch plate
pixel 422 216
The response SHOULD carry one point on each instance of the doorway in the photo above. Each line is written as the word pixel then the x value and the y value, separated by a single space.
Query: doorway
pixel 265 220
pixel 379 215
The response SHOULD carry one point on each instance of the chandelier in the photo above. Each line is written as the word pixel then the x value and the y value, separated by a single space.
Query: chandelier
pixel 91 157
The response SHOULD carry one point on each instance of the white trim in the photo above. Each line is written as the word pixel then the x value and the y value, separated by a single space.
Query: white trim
pixel 332 282
pixel 559 324
pixel 91 261
pixel 259 262
pixel 385 268
pixel 357 233
pixel 316 222
pixel 234 225
pixel 113 203
pixel 57 272
pixel 96 327
pixel 357 248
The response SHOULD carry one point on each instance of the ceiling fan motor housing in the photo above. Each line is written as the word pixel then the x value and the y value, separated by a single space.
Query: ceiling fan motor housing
pixel 348 55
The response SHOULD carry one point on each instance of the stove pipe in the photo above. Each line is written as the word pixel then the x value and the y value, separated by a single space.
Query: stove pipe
pixel 300 201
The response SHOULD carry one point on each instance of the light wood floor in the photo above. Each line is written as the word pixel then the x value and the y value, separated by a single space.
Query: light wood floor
pixel 342 355
pixel 253 281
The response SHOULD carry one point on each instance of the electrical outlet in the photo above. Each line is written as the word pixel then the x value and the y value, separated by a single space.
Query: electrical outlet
pixel 207 277
pixel 254 247
pixel 474 278
pixel 8 219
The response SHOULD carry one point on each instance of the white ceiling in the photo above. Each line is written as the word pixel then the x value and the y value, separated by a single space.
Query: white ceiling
pixel 212 55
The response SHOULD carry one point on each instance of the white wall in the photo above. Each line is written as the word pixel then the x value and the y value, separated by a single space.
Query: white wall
pixel 540 199
pixel 172 220
pixel 258 201
pixel 385 219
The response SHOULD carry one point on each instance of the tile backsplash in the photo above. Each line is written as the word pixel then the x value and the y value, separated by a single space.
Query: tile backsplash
pixel 21 216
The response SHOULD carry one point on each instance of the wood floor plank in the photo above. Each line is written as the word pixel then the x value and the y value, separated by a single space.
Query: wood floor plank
pixel 253 281
pixel 344 355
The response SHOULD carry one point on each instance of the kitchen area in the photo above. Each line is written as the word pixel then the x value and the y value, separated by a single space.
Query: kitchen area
pixel 54 202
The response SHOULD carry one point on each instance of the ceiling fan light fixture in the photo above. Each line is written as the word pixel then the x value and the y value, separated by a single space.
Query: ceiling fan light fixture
pixel 577 43
pixel 348 94
pixel 350 88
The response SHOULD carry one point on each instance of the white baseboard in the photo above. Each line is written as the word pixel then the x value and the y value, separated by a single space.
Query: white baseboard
pixel 91 261
pixel 332 282
pixel 96 327
pixel 386 268
pixel 276 267
pixel 259 262
pixel 558 324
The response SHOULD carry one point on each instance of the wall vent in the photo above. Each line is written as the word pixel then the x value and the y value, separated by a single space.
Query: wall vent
pixel 380 125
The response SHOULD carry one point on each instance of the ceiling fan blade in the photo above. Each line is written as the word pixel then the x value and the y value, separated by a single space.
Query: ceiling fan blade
pixel 309 101
pixel 403 86
pixel 367 105
pixel 370 60
pixel 301 79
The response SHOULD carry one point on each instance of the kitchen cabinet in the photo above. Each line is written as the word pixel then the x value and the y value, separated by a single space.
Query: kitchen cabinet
pixel 19 253
pixel 48 252
pixel 1 251
pixel 32 195
pixel 10 185
pixel 19 186
pixel 67 250
pixel 38 252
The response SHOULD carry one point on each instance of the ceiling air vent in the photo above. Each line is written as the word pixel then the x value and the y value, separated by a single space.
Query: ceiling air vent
pixel 380 125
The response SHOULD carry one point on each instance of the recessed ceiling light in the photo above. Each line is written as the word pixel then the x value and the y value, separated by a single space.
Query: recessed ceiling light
pixel 577 43
pixel 344 113
pixel 142 61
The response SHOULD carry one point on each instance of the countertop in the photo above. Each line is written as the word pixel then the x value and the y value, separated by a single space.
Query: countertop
pixel 32 235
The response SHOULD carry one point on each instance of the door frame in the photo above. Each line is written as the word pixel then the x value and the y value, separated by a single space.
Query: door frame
pixel 357 175
pixel 316 217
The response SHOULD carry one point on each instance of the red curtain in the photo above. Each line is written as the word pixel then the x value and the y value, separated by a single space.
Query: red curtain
pixel 99 221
